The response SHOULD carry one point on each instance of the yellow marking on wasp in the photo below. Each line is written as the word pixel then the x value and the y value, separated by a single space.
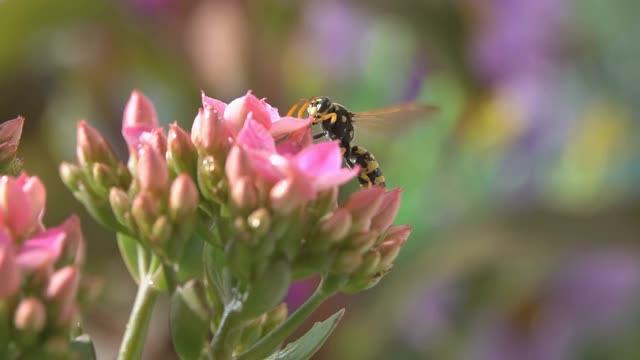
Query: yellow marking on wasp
pixel 379 180
pixel 332 116
pixel 372 165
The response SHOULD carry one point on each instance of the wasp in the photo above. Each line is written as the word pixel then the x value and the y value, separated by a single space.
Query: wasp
pixel 337 123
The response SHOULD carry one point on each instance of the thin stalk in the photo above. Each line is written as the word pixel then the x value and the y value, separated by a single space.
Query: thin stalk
pixel 138 324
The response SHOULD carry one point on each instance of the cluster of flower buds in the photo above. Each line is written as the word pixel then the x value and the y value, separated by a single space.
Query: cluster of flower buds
pixel 40 272
pixel 251 184
pixel 10 133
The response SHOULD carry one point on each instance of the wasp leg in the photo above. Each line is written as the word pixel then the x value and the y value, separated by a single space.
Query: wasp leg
pixel 370 173
pixel 318 136
pixel 332 116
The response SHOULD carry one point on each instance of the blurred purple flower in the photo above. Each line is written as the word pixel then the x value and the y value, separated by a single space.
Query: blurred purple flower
pixel 299 292
pixel 589 296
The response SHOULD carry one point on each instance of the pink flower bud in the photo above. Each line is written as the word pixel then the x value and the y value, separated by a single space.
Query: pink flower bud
pixel 156 139
pixel 244 194
pixel 153 173
pixel 183 198
pixel 215 104
pixel 347 261
pixel 10 282
pixel 145 210
pixel 387 211
pixel 22 203
pixel 139 111
pixel 74 246
pixel 62 288
pixel 363 205
pixel 181 151
pixel 30 315
pixel 336 226
pixel 209 132
pixel 92 147
pixel 390 247
pixel 238 165
pixel 237 112
pixel 287 195
pixel 10 133
pixel 71 175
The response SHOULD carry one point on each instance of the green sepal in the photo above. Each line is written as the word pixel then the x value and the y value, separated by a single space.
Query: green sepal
pixel 83 347
pixel 189 320
pixel 311 342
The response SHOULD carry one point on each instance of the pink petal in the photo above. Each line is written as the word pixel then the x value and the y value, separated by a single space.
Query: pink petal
pixel 287 125
pixel 216 104
pixel 256 137
pixel 335 178
pixel 139 111
pixel 288 148
pixel 41 250
pixel 237 112
pixel 319 159
pixel 15 206
pixel 10 281
pixel 274 115
pixel 266 165
pixel 133 135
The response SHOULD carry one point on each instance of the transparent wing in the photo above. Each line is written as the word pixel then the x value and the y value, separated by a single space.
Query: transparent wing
pixel 393 119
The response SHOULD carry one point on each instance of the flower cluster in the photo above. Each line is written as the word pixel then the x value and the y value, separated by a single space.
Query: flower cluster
pixel 40 270
pixel 247 184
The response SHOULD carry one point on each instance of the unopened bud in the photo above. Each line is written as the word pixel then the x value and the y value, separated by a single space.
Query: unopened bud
pixel 397 233
pixel 347 261
pixel 160 236
pixel 145 210
pixel 10 133
pixel 62 287
pixel 389 249
pixel 74 241
pixel 120 203
pixel 209 132
pixel 336 226
pixel 139 111
pixel 71 175
pixel 370 262
pixel 238 165
pixel 362 241
pixel 286 196
pixel 244 194
pixel 259 221
pixel 92 147
pixel 363 205
pixel 30 316
pixel 183 198
pixel 157 140
pixel 387 211
pixel 181 153
pixel 153 173
pixel 104 177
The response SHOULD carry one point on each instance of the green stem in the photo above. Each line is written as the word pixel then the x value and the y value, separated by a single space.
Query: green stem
pixel 266 346
pixel 170 276
pixel 138 324
pixel 222 342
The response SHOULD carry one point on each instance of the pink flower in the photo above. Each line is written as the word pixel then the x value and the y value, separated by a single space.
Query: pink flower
pixel 42 250
pixel 311 169
pixel 139 117
pixel 22 203
pixel 237 112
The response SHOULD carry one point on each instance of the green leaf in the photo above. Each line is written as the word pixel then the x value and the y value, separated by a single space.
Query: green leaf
pixel 189 319
pixel 129 250
pixel 190 265
pixel 214 269
pixel 311 342
pixel 83 346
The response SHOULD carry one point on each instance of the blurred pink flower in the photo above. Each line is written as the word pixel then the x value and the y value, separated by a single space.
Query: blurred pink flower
pixel 8 269
pixel 10 133
pixel 22 203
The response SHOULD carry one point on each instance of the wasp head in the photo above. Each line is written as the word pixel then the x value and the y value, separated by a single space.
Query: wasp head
pixel 318 106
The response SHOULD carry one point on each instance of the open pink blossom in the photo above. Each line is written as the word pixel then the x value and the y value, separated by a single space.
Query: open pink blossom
pixel 42 250
pixel 139 117
pixel 318 166
pixel 22 202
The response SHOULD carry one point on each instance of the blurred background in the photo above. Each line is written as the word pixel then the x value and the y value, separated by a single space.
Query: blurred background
pixel 523 191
